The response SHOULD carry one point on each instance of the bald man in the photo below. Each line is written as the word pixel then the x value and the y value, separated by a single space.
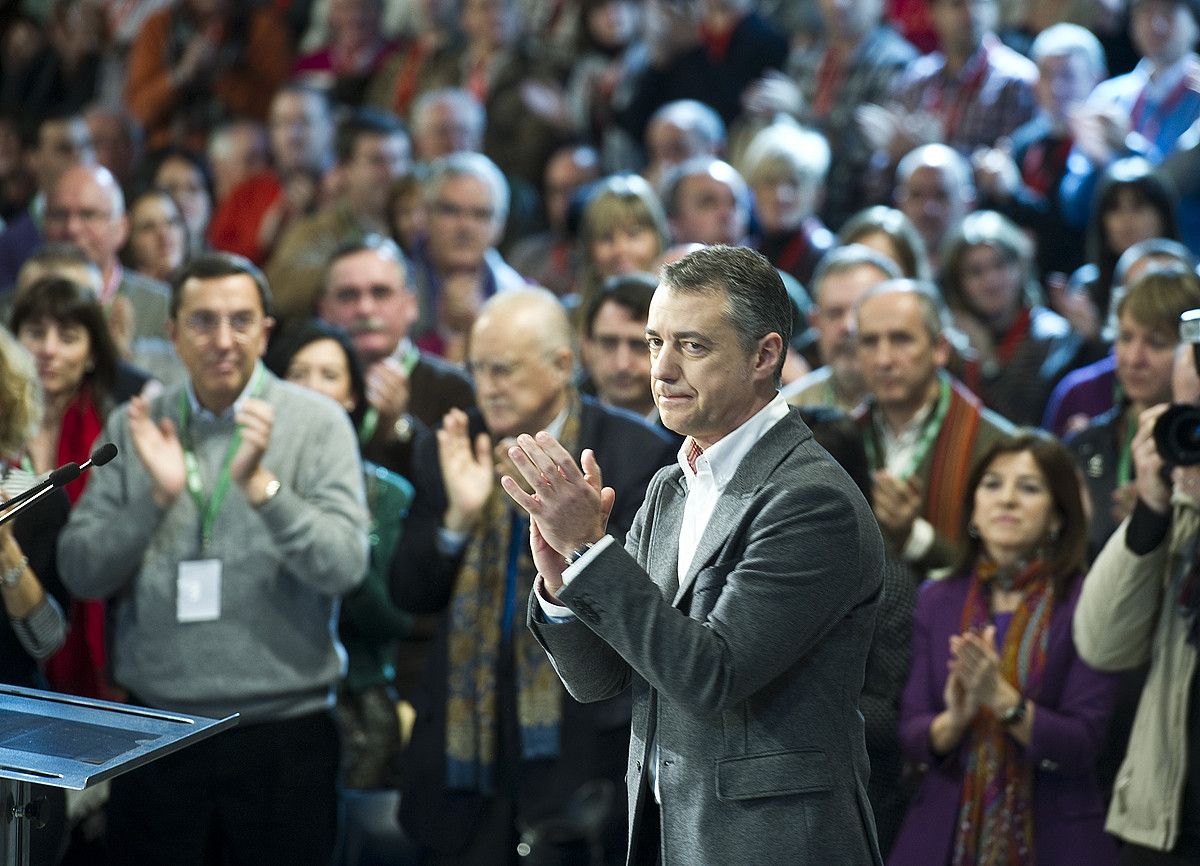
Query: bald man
pixel 86 208
pixel 498 744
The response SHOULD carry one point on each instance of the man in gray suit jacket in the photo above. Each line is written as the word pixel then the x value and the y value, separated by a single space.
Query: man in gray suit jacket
pixel 742 604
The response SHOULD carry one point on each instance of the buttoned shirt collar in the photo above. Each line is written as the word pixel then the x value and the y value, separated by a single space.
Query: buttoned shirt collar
pixel 203 414
pixel 720 460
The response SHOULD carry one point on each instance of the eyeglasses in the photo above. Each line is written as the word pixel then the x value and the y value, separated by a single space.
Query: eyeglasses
pixel 206 324
pixel 496 371
pixel 453 211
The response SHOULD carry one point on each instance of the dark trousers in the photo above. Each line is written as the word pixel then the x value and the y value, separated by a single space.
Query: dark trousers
pixel 263 793
pixel 1136 855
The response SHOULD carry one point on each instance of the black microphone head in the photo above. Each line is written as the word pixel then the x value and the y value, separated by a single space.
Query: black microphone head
pixel 104 454
pixel 64 474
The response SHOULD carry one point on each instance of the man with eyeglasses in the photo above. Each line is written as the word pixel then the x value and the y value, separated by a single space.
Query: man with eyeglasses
pixel 224 535
pixel 498 745
pixel 87 208
pixel 457 267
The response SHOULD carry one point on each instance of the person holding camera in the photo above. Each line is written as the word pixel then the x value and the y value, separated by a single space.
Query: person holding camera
pixel 1140 603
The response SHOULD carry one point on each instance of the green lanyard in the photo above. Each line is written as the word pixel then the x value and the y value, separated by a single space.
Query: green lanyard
pixel 210 508
pixel 928 435
pixel 1125 459
pixel 366 430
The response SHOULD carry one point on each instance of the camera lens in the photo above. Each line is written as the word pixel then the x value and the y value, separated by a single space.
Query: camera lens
pixel 1177 435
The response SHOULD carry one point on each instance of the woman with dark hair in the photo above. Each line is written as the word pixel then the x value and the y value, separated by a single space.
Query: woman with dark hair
pixel 1019 348
pixel 999 709
pixel 63 326
pixel 1134 203
pixel 186 176
pixel 158 239
pixel 320 357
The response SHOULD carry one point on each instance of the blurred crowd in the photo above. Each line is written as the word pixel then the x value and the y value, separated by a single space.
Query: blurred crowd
pixel 446 217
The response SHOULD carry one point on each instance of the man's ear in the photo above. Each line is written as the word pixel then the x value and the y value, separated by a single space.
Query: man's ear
pixel 771 351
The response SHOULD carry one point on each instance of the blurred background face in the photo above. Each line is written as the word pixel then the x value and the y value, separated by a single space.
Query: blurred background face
pixel 961 24
pixel 850 19
pixel 1144 360
pixel 186 185
pixel 624 250
pixel 1162 30
pixel 1014 509
pixel 566 173
pixel 897 355
pixel 442 130
pixel 1129 221
pixel 61 144
pixel 1063 84
pixel 834 316
pixel 518 385
pixel 928 199
pixel 614 24
pixel 618 359
pixel 367 297
pixel 63 352
pixel 487 23
pixel 782 206
pixel 157 237
pixel 377 161
pixel 81 211
pixel 322 366
pixel 991 284
pixel 707 212
pixel 355 22
pixel 462 223
pixel 300 132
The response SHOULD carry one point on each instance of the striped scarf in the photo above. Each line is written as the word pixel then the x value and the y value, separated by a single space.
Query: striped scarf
pixel 476 634
pixel 995 818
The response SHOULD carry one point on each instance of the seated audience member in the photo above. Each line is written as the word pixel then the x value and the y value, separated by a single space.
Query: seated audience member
pixel 186 176
pixel 157 242
pixel 518 750
pixel 118 140
pixel 549 258
pixel 707 202
pixel 616 359
pixel 709 52
pixel 372 151
pixel 623 230
pixel 1019 349
pixel 408 218
pixel 967 94
pixel 357 49
pixel 842 278
pixel 922 429
pixel 246 627
pixel 890 233
pixel 506 71
pixel 458 267
pixel 612 53
pixel 1133 204
pixel 31 594
pixel 61 142
pixel 61 324
pixel 236 151
pixel 677 132
pixel 1021 178
pixel 785 167
pixel 999 707
pixel 1089 391
pixel 935 190
pixel 445 121
pixel 1139 607
pixel 87 209
pixel 1143 112
pixel 320 357
pixel 256 213
pixel 856 62
pixel 197 62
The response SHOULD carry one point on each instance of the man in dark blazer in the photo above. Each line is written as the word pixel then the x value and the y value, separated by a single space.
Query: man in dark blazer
pixel 741 604
pixel 499 750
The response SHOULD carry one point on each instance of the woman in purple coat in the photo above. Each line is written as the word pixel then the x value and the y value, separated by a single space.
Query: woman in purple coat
pixel 999 710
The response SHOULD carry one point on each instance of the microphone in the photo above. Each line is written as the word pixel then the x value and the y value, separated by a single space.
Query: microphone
pixel 59 477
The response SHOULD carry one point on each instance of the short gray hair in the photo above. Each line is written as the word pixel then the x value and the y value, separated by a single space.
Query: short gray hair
pixel 474 165
pixel 934 314
pixel 841 259
pixel 695 117
pixel 1059 40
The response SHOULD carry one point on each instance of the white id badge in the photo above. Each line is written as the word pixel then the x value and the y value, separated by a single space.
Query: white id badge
pixel 198 591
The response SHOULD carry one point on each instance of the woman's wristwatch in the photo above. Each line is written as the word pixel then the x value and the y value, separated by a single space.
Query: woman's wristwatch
pixel 1015 714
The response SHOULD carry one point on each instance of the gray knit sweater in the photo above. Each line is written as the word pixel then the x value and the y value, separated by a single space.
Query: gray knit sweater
pixel 273 653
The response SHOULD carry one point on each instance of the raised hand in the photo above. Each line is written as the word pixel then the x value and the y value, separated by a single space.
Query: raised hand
pixel 157 445
pixel 897 504
pixel 1151 488
pixel 467 471
pixel 256 419
pixel 978 665
pixel 388 391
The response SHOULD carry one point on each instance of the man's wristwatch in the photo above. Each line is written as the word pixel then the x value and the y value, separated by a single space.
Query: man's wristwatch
pixel 1014 715
pixel 12 576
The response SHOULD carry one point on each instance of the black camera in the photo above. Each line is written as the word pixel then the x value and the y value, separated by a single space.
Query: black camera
pixel 1177 431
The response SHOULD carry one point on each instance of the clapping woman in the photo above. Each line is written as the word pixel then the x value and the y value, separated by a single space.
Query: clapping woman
pixel 999 710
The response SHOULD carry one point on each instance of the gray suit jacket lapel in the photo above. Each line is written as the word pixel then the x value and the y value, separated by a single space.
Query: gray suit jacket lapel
pixel 751 474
